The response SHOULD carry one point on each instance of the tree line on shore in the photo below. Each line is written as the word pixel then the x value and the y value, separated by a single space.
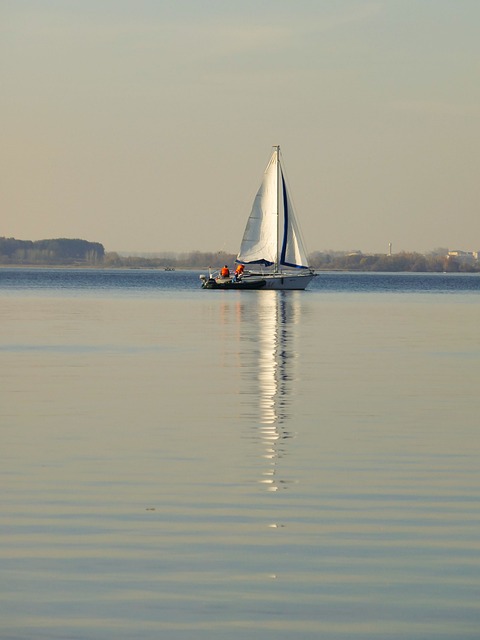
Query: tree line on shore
pixel 63 251
pixel 58 251
pixel 403 261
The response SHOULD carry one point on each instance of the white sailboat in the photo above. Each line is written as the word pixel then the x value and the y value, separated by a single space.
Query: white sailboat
pixel 272 243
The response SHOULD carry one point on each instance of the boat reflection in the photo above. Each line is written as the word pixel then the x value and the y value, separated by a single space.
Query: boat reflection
pixel 265 339
pixel 278 312
pixel 258 332
pixel 276 315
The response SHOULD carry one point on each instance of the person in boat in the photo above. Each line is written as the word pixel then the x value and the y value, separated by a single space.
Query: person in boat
pixel 239 272
pixel 225 272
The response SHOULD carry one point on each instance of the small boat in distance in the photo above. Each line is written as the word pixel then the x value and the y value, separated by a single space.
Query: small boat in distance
pixel 272 242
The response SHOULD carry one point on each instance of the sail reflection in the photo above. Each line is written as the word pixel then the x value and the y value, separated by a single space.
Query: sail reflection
pixel 258 335
pixel 276 315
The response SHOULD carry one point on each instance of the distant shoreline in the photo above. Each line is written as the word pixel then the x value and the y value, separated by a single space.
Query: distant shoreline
pixel 65 253
pixel 78 267
pixel 97 267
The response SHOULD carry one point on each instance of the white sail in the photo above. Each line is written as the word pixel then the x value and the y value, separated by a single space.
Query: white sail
pixel 259 243
pixel 292 249
pixel 272 235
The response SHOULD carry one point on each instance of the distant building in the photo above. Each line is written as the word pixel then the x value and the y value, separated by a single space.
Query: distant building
pixel 463 257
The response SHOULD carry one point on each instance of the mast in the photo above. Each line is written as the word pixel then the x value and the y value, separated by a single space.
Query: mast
pixel 276 266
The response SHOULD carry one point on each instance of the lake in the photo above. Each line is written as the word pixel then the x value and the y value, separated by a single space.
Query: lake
pixel 179 463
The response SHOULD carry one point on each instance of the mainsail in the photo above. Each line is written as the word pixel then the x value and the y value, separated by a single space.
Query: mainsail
pixel 272 235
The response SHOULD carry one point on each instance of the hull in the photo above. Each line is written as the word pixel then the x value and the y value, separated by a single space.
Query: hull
pixel 218 283
pixel 276 281
pixel 287 282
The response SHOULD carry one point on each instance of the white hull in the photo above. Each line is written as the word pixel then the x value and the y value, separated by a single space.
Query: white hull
pixel 284 282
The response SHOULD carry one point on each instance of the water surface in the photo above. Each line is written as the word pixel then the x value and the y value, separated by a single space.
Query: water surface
pixel 179 463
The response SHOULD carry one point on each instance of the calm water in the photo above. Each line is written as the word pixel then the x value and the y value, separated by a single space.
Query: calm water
pixel 179 463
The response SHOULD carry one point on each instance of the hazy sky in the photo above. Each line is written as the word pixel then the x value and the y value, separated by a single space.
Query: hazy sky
pixel 146 124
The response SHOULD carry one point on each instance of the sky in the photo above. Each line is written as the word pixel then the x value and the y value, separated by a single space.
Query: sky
pixel 146 125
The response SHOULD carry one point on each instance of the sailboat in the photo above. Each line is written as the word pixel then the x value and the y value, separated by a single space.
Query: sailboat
pixel 272 251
